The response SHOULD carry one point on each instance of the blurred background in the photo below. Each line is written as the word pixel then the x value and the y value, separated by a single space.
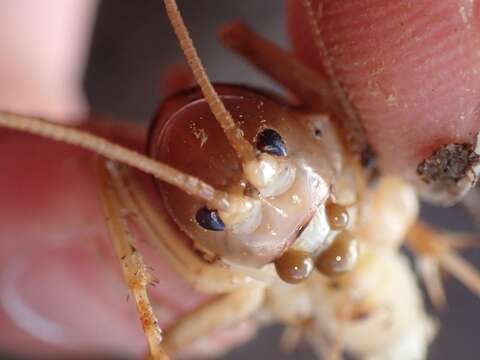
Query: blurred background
pixel 133 44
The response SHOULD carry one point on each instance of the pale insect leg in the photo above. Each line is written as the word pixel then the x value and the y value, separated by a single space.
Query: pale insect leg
pixel 224 311
pixel 241 297
pixel 203 276
pixel 134 270
pixel 430 273
pixel 438 249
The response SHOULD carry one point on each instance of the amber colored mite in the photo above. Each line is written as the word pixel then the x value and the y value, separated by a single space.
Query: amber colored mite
pixel 294 266
pixel 339 258
pixel 337 216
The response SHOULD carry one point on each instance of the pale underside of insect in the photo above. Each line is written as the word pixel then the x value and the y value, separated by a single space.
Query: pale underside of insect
pixel 288 195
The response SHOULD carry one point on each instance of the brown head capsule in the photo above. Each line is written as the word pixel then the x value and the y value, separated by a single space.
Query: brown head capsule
pixel 294 266
pixel 270 197
pixel 236 137
pixel 340 257
pixel 337 216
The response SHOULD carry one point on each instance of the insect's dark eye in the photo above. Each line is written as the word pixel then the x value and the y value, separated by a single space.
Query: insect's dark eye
pixel 270 142
pixel 209 219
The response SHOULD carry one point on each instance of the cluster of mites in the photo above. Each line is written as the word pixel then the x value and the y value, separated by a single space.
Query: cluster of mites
pixel 295 266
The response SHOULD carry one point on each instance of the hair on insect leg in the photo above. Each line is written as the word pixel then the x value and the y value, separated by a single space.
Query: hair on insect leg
pixel 203 276
pixel 238 299
pixel 133 267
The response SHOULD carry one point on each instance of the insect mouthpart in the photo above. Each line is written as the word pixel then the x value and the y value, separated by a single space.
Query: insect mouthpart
pixel 270 175
pixel 322 241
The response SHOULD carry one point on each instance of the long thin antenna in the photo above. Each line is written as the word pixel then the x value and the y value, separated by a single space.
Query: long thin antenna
pixel 234 134
pixel 326 60
pixel 190 184
pixel 356 135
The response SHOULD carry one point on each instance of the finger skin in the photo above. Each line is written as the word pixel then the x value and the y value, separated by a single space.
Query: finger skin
pixel 61 292
pixel 44 47
pixel 410 68
pixel 60 288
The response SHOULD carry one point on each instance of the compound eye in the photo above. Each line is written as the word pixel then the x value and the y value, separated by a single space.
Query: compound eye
pixel 209 219
pixel 269 141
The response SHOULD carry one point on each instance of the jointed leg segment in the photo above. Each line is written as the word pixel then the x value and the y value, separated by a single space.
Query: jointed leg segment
pixel 240 296
pixel 437 250
pixel 209 278
pixel 134 270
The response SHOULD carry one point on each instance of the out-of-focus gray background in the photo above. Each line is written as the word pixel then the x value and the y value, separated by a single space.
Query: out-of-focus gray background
pixel 133 43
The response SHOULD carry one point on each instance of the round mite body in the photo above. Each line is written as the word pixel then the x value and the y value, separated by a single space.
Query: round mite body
pixel 185 135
